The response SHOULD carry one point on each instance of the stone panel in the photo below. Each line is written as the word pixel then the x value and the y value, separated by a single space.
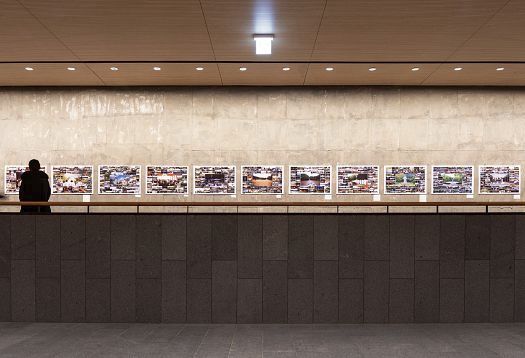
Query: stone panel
pixel 174 291
pixel 477 290
pixel 326 289
pixel 426 292
pixel 73 237
pixel 300 300
pixel 48 246
pixel 250 246
pixel 452 246
pixel 275 237
pixel 149 247
pixel 325 237
pixel 376 292
pixel 98 246
pixel 402 246
pixel 224 292
pixel 275 292
pixel 351 246
pixel 174 237
pixel 198 244
pixel 351 301
pixel 249 301
pixel 300 247
pixel 502 241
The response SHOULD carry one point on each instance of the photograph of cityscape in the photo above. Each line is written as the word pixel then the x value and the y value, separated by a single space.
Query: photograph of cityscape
pixel 13 178
pixel 72 179
pixel 452 179
pixel 119 179
pixel 214 180
pixel 266 179
pixel 357 179
pixel 166 179
pixel 310 179
pixel 405 179
pixel 499 179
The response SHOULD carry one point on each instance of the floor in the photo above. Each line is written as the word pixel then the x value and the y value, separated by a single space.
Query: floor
pixel 173 340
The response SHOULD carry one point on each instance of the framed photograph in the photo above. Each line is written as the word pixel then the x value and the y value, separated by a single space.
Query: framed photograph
pixel 119 179
pixel 13 178
pixel 213 180
pixel 453 179
pixel 310 179
pixel 262 179
pixel 499 179
pixel 72 179
pixel 357 179
pixel 405 179
pixel 166 179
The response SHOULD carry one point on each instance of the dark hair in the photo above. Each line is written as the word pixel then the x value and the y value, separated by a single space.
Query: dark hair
pixel 34 165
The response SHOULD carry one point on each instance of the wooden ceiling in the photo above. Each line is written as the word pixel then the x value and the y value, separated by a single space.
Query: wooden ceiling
pixel 179 35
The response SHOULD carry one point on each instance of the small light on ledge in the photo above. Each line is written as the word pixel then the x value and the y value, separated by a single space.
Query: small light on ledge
pixel 113 68
pixel 29 69
pixel 199 68
pixel 286 68
pixel 242 69
pixel 415 69
pixel 372 69
pixel 458 68
pixel 156 68
pixel 500 68
pixel 329 69
pixel 71 69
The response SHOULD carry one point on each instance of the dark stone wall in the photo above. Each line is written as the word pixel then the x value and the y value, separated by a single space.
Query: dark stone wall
pixel 263 268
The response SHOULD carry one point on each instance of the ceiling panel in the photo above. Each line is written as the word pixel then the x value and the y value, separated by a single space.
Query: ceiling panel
pixel 359 74
pixel 47 75
pixel 232 23
pixel 23 38
pixel 501 39
pixel 477 74
pixel 127 30
pixel 171 74
pixel 403 30
pixel 263 74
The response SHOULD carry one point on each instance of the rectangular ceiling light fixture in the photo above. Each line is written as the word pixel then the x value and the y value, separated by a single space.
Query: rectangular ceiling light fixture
pixel 263 44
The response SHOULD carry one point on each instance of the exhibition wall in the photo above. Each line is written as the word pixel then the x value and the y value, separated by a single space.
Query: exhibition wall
pixel 254 268
pixel 264 126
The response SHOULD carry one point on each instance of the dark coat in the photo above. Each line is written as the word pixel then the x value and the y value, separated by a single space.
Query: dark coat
pixel 35 187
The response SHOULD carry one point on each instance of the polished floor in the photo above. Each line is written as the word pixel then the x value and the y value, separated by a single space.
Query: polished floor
pixel 173 340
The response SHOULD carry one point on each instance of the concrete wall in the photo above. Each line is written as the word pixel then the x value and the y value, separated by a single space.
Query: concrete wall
pixel 187 126
pixel 269 268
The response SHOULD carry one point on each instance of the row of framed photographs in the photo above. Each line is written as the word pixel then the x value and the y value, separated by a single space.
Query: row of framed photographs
pixel 268 179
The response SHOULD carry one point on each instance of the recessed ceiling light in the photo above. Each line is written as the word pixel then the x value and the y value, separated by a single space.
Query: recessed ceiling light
pixel 242 69
pixel 458 68
pixel 71 68
pixel 329 68
pixel 415 68
pixel 372 69
pixel 113 68
pixel 286 68
pixel 263 44
pixel 500 68
pixel 199 68
pixel 156 68
pixel 29 68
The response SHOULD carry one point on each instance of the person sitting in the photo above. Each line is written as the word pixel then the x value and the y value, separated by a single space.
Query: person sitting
pixel 35 187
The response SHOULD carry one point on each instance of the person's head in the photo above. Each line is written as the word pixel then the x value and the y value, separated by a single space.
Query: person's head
pixel 34 165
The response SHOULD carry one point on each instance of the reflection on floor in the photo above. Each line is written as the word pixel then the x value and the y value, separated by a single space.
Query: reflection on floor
pixel 174 340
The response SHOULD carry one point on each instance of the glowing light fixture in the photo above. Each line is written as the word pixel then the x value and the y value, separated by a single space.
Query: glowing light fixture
pixel 113 68
pixel 242 69
pixel 71 68
pixel 263 44
pixel 415 68
pixel 286 68
pixel 372 69
pixel 199 68
pixel 329 69
pixel 458 68
pixel 29 68
pixel 500 68
pixel 156 68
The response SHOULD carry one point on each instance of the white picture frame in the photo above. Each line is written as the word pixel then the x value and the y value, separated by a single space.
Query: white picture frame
pixel 385 178
pixel 304 168
pixel 496 166
pixel 472 184
pixel 19 166
pixel 138 189
pixel 378 179
pixel 281 167
pixel 54 191
pixel 148 192
pixel 231 168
